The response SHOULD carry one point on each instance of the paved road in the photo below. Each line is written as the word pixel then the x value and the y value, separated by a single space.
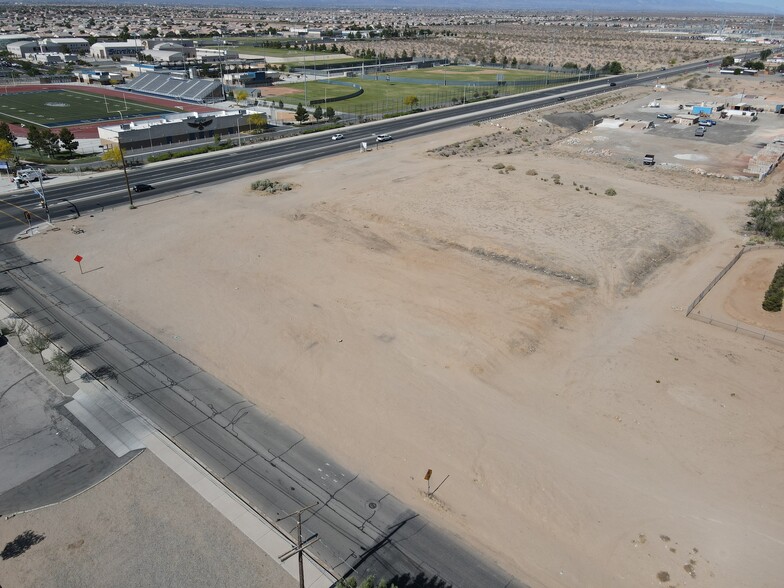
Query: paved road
pixel 45 454
pixel 194 172
pixel 362 527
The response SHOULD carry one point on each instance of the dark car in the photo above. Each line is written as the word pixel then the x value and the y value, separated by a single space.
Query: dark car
pixel 142 187
pixel 613 84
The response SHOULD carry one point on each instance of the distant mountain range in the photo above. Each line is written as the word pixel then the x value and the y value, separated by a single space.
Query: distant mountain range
pixel 694 7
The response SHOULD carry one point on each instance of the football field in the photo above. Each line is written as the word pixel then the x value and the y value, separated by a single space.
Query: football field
pixel 58 108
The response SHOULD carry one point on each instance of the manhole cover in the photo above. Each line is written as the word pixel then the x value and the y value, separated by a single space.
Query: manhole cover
pixel 372 505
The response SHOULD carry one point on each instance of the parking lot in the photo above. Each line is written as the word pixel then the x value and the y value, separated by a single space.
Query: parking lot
pixel 724 150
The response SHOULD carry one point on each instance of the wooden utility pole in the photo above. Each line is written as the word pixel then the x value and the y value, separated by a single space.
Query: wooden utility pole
pixel 300 547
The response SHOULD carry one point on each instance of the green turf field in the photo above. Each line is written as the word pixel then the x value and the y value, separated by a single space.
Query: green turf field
pixel 382 97
pixel 468 74
pixel 58 108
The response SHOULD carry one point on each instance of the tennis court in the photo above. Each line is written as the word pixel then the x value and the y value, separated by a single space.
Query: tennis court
pixel 63 107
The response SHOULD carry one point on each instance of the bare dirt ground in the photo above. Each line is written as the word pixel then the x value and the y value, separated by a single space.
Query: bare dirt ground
pixel 434 304
pixel 739 294
pixel 143 526
pixel 540 45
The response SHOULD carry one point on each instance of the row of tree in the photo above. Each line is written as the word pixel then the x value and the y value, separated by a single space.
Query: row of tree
pixel 301 115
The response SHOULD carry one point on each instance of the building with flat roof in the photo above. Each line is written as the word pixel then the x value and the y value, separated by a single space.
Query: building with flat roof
pixel 131 47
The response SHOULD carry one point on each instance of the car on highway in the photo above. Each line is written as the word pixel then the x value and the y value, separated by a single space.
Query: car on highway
pixel 664 116
pixel 613 84
pixel 337 137
pixel 384 137
pixel 142 187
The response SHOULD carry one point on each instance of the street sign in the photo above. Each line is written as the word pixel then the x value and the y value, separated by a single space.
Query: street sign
pixel 28 216
pixel 428 474
pixel 78 258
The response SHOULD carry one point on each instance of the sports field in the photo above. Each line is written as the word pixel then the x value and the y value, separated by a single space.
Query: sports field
pixel 58 108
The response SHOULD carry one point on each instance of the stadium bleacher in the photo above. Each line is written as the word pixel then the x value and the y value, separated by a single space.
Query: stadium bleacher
pixel 168 86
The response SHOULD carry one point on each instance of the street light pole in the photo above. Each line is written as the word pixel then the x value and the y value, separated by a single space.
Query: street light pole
pixel 125 167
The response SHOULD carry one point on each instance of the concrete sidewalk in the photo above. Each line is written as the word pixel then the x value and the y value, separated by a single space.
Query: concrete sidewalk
pixel 122 429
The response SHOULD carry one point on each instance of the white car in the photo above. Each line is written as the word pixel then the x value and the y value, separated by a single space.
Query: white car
pixel 382 138
pixel 337 137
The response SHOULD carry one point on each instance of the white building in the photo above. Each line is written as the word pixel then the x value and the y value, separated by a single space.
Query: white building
pixel 65 45
pixel 131 47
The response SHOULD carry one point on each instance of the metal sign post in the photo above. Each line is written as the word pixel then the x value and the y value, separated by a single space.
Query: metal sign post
pixel 78 259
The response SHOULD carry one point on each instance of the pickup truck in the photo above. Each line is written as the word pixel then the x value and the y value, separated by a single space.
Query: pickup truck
pixel 648 160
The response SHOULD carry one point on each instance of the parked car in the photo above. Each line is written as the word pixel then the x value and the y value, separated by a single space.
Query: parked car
pixel 142 187
pixel 337 137
pixel 382 138
pixel 664 116
pixel 699 132
pixel 704 123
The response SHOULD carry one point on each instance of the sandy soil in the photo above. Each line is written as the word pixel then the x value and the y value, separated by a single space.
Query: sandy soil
pixel 738 296
pixel 417 307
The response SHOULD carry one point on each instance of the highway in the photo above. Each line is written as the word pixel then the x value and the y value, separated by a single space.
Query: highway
pixel 362 528
pixel 193 172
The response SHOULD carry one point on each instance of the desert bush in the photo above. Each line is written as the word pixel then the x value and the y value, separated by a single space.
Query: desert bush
pixel 270 186
pixel 499 166
pixel 510 168
pixel 610 192
pixel 556 178
pixel 532 172
pixel 60 364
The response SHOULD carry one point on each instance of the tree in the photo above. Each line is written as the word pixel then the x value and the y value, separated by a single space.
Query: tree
pixel 758 65
pixel 257 121
pixel 51 142
pixel 60 364
pixel 240 95
pixel 6 150
pixel 410 101
pixel 570 65
pixel 780 196
pixel 301 115
pixel 36 343
pixel 35 139
pixel 67 140
pixel 513 63
pixel 765 53
pixel 280 104
pixel 613 68
pixel 318 113
pixel 329 113
pixel 113 154
pixel 728 61
pixel 5 133
pixel 763 216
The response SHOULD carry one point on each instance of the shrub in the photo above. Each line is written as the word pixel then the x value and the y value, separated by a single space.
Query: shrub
pixel 532 172
pixel 510 168
pixel 774 296
pixel 610 192
pixel 499 166
pixel 270 186
pixel 556 178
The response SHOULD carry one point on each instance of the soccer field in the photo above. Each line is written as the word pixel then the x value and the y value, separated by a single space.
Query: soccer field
pixel 58 108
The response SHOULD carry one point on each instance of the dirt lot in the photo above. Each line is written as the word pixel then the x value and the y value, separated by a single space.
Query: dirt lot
pixel 445 303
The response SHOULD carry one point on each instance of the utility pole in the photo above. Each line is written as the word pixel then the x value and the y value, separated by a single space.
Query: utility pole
pixel 122 158
pixel 300 547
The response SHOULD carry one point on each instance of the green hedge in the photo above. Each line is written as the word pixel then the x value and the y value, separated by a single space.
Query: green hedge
pixel 774 297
